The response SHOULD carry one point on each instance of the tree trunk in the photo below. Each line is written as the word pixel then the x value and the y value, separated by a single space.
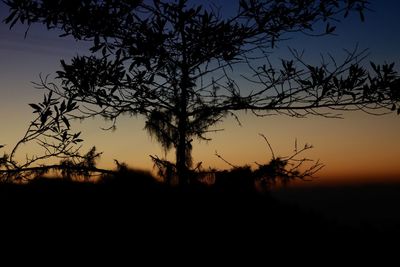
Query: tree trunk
pixel 181 154
pixel 182 146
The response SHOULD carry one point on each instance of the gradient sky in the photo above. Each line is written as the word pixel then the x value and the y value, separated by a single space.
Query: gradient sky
pixel 359 147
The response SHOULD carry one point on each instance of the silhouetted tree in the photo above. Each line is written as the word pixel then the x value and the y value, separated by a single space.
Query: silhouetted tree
pixel 173 63
pixel 50 130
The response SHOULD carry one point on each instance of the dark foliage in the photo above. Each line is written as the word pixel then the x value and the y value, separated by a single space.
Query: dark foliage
pixel 173 62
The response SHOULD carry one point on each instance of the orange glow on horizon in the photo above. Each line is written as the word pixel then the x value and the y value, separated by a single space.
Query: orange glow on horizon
pixel 358 148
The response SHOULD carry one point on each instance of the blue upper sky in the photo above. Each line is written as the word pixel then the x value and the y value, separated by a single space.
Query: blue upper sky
pixel 379 33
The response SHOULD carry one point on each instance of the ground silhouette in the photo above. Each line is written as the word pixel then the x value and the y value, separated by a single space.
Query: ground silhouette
pixel 135 216
pixel 226 210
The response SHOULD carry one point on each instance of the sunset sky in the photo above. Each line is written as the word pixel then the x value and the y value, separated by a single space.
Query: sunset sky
pixel 359 147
